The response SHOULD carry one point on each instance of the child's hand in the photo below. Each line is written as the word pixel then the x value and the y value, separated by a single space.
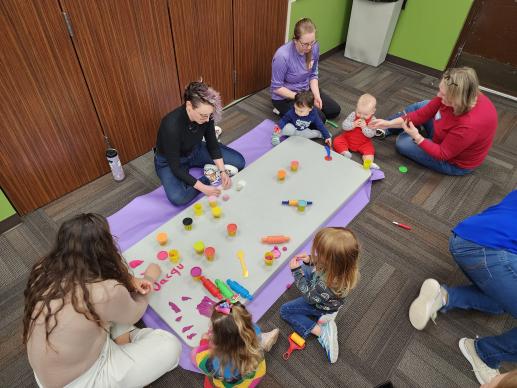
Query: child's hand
pixel 294 263
pixel 357 123
pixel 303 257
pixel 142 286
pixel 328 142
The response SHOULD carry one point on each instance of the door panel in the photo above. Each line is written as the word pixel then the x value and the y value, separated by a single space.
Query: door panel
pixel 51 141
pixel 488 44
pixel 125 48
pixel 203 40
pixel 259 29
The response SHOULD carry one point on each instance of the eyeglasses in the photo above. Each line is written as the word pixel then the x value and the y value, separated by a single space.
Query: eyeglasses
pixel 448 81
pixel 307 45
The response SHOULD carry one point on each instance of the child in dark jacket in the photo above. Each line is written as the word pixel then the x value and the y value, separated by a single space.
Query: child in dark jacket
pixel 324 278
pixel 301 120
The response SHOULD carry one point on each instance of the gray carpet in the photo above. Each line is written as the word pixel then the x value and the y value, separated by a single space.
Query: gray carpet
pixel 377 342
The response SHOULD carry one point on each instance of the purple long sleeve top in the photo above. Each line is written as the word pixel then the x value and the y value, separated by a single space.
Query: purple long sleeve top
pixel 290 70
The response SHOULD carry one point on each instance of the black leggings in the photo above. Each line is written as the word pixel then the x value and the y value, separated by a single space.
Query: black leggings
pixel 331 108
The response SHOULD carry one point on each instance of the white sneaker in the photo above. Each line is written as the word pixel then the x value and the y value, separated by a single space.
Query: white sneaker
pixel 375 166
pixel 326 318
pixel 218 131
pixel 347 154
pixel 214 176
pixel 483 372
pixel 276 111
pixel 427 304
pixel 328 339
pixel 268 339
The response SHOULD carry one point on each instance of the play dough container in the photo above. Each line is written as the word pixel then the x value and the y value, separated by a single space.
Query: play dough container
pixel 199 247
pixel 216 212
pixel 231 229
pixel 174 256
pixel 280 175
pixel 302 205
pixel 268 258
pixel 212 201
pixel 162 238
pixel 294 165
pixel 196 272
pixel 198 209
pixel 209 253
pixel 187 223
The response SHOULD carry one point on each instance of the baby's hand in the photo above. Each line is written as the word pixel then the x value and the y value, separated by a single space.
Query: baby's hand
pixel 357 123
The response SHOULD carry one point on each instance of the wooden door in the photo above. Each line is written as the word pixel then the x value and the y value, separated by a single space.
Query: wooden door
pixel 203 39
pixel 259 29
pixel 125 48
pixel 488 43
pixel 51 141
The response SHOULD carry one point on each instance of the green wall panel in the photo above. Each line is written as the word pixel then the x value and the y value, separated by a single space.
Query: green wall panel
pixel 330 16
pixel 6 210
pixel 427 31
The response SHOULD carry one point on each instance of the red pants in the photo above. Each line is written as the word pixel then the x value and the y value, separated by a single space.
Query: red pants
pixel 353 140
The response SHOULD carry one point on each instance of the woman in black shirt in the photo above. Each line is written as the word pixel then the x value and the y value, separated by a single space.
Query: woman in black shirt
pixel 180 146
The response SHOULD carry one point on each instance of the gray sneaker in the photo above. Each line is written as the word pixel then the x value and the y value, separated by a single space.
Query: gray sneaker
pixel 268 339
pixel 328 339
pixel 427 304
pixel 326 318
pixel 214 176
pixel 483 372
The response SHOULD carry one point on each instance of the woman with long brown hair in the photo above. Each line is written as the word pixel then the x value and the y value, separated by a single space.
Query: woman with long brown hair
pixel 80 305
pixel 295 69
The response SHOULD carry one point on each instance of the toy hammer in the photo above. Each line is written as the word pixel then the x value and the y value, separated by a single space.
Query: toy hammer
pixel 295 343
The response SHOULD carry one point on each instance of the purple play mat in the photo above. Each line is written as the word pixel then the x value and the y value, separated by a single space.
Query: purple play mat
pixel 147 212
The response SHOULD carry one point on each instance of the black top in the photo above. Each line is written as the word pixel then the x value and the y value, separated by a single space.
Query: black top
pixel 177 137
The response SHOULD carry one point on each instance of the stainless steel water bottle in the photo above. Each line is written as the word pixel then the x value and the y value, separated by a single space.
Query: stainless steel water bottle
pixel 115 165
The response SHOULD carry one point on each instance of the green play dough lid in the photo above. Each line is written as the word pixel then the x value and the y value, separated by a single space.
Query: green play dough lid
pixel 403 169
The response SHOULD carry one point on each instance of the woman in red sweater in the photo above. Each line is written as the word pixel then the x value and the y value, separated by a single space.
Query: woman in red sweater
pixel 460 123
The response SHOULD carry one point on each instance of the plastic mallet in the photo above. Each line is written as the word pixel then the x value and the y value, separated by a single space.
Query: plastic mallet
pixel 331 123
pixel 327 149
pixel 295 343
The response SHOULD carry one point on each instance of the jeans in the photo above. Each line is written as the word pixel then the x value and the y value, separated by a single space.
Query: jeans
pixel 493 273
pixel 407 147
pixel 300 314
pixel 180 193
pixel 331 108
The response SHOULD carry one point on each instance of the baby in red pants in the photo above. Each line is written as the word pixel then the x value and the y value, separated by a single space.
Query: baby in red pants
pixel 356 134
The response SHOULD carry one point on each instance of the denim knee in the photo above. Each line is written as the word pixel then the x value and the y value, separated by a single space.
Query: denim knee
pixel 179 199
pixel 284 312
pixel 403 144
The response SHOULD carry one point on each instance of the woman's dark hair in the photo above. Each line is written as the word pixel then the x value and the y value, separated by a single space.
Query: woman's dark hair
pixel 84 253
pixel 305 98
pixel 198 92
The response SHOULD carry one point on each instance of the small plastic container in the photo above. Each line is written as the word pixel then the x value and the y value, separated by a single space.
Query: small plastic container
pixel 231 229
pixel 294 165
pixel 281 174
pixel 216 212
pixel 302 204
pixel 198 209
pixel 162 238
pixel 212 201
pixel 199 247
pixel 174 256
pixel 210 253
pixel 187 223
pixel 196 272
pixel 269 258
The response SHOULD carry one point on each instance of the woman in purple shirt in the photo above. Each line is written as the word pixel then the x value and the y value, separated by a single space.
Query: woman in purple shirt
pixel 295 68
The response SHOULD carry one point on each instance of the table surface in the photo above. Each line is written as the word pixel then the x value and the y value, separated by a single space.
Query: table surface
pixel 258 212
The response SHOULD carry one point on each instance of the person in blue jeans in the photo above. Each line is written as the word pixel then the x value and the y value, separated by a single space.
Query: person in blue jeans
pixel 485 248
pixel 324 278
pixel 180 146
pixel 460 125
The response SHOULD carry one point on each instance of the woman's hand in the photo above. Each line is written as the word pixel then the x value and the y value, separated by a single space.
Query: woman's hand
pixel 379 123
pixel 410 129
pixel 226 181
pixel 294 263
pixel 318 103
pixel 153 271
pixel 142 286
pixel 209 190
pixel 328 142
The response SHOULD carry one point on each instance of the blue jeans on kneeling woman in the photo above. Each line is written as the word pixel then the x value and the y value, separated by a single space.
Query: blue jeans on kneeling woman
pixel 407 147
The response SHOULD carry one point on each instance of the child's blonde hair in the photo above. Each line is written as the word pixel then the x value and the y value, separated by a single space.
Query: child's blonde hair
pixel 234 341
pixel 335 254
pixel 366 101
